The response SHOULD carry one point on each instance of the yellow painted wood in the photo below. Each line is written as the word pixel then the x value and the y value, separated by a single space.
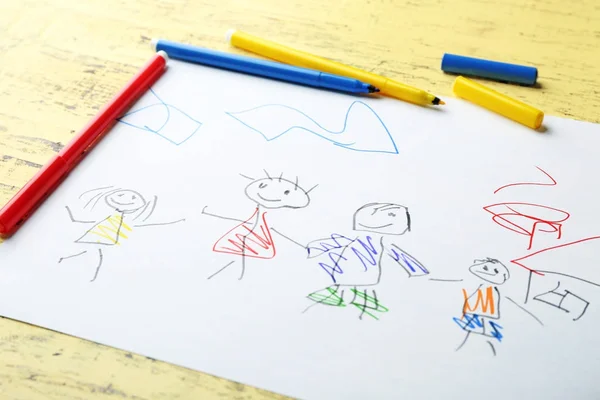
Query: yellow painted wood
pixel 61 60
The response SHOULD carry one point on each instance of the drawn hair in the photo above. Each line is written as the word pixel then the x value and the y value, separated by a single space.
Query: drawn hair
pixel 93 197
pixel 375 207
pixel 487 260
pixel 296 186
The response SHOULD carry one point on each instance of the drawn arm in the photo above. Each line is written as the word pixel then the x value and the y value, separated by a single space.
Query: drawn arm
pixel 160 223
pixel 290 239
pixel 445 280
pixel 411 265
pixel 220 216
pixel 147 212
pixel 73 219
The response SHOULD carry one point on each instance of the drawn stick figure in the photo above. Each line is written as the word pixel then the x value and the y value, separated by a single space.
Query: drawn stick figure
pixel 355 264
pixel 481 307
pixel 252 237
pixel 127 207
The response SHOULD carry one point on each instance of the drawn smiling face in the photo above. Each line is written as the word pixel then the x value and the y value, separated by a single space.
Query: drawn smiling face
pixel 490 270
pixel 277 193
pixel 126 201
pixel 384 218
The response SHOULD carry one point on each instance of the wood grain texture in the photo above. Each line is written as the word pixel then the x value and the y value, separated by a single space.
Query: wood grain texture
pixel 61 60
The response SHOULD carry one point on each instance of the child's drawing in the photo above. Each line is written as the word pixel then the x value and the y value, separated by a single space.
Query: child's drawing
pixel 128 210
pixel 163 119
pixel 355 263
pixel 567 289
pixel 362 129
pixel 570 288
pixel 528 219
pixel 252 237
pixel 514 184
pixel 481 306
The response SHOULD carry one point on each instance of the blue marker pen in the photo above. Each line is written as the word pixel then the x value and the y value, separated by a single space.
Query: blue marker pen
pixel 495 70
pixel 267 69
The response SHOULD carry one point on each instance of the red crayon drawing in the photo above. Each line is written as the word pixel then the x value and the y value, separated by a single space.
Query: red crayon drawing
pixel 553 183
pixel 528 218
pixel 556 272
pixel 251 242
pixel 252 238
pixel 521 260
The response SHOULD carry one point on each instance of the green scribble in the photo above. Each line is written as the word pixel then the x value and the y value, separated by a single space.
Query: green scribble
pixel 329 299
pixel 366 305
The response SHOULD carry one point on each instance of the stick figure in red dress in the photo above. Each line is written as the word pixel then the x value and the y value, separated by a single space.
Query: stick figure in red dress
pixel 252 237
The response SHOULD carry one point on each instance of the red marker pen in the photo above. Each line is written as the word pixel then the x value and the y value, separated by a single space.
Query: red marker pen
pixel 33 194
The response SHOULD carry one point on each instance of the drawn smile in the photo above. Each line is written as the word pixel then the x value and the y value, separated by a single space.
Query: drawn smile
pixel 122 204
pixel 486 273
pixel 265 199
pixel 373 227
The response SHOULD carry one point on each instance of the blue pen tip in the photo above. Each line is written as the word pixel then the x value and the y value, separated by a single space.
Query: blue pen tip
pixel 373 89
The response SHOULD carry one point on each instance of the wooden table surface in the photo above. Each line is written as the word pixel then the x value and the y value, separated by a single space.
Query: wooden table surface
pixel 61 60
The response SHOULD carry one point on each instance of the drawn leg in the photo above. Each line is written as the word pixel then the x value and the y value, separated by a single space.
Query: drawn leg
pixel 464 341
pixel 99 265
pixel 328 296
pixel 492 346
pixel 71 256
pixel 244 238
pixel 357 305
pixel 243 257
pixel 369 303
pixel 565 301
pixel 226 265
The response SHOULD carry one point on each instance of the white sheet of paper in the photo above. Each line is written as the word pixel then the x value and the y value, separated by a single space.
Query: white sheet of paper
pixel 285 326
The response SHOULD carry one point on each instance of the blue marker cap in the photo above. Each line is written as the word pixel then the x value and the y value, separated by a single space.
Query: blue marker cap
pixel 495 70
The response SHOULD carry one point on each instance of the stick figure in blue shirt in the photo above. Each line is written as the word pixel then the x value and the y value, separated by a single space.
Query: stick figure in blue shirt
pixel 354 264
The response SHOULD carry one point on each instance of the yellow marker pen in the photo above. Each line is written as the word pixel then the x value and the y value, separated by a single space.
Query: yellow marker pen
pixel 299 58
pixel 498 102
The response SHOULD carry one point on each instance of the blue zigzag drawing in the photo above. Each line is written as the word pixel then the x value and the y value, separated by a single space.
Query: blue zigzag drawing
pixel 362 130
pixel 163 119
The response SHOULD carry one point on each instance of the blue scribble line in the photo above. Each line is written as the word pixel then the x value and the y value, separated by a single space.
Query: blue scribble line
pixel 407 260
pixel 470 322
pixel 357 245
pixel 332 132
pixel 157 131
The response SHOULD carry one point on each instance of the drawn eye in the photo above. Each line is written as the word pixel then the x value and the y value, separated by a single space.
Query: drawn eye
pixel 133 197
pixel 485 267
pixel 391 214
pixel 496 270
pixel 262 185
pixel 121 195
pixel 286 192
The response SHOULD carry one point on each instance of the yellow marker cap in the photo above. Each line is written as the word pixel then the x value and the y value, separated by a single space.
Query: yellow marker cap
pixel 498 102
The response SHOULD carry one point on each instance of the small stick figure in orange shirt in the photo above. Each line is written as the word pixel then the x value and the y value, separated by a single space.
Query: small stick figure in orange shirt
pixel 481 308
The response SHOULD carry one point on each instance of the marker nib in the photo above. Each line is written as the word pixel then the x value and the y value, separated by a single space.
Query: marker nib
pixel 373 89
pixel 438 102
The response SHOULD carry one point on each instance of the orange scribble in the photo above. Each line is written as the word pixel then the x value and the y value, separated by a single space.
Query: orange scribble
pixel 481 303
